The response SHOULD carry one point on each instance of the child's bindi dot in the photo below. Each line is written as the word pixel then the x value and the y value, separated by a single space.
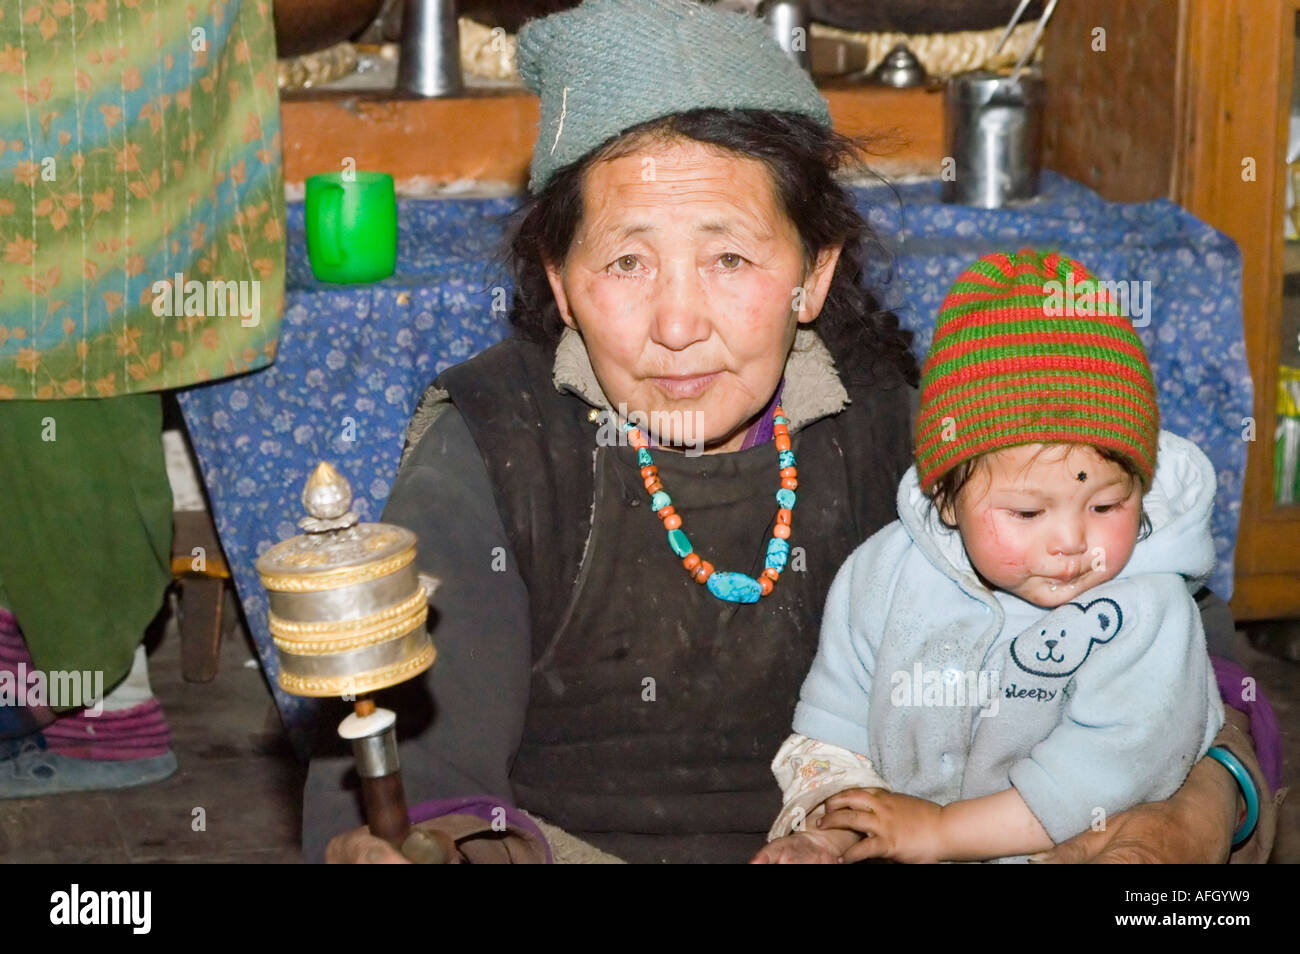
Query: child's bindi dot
pixel 1082 476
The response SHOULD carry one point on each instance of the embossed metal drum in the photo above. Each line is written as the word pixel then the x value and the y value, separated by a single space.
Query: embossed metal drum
pixel 348 610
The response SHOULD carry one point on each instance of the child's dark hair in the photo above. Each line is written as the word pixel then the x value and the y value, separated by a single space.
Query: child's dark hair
pixel 943 495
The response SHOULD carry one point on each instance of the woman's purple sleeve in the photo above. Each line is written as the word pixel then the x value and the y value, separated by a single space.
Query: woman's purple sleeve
pixel 1242 692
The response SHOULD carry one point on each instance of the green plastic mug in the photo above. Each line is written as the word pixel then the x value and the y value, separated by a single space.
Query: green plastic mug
pixel 351 220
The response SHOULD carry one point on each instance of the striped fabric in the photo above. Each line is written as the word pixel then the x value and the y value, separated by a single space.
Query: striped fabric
pixel 139 141
pixel 139 732
pixel 15 720
pixel 1027 349
pixel 112 735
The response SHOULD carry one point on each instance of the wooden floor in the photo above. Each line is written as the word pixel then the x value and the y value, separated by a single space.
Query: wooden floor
pixel 236 766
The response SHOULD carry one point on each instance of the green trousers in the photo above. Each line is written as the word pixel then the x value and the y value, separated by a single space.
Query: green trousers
pixel 85 527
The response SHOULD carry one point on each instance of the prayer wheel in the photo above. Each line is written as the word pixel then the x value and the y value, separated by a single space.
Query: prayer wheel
pixel 348 614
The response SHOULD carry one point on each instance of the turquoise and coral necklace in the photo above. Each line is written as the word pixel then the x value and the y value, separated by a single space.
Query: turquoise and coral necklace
pixel 726 584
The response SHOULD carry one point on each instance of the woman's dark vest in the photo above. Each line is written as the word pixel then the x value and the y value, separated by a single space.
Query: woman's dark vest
pixel 656 708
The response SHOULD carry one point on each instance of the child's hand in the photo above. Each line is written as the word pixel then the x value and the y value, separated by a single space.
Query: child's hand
pixel 805 848
pixel 899 826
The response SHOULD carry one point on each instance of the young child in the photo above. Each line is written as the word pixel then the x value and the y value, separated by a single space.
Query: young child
pixel 1019 656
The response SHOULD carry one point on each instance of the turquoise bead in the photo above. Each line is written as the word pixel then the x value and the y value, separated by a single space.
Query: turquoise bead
pixel 734 587
pixel 659 500
pixel 643 458
pixel 777 552
pixel 785 458
pixel 785 498
pixel 778 419
pixel 680 544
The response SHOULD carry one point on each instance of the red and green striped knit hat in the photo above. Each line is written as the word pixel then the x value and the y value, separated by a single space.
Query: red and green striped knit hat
pixel 1028 349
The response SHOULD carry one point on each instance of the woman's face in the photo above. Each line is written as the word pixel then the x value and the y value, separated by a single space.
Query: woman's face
pixel 686 282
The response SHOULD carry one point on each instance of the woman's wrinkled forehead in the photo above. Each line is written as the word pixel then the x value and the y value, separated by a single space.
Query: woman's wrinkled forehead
pixel 680 186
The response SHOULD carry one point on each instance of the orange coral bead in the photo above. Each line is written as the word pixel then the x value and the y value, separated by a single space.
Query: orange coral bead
pixel 780 412
pixel 766 585
pixel 649 470
pixel 666 511
pixel 771 573
pixel 783 516
pixel 672 521
pixel 782 443
pixel 781 530
pixel 691 561
pixel 703 571
pixel 789 472
pixel 789 483
pixel 653 485
pixel 635 439
pixel 780 430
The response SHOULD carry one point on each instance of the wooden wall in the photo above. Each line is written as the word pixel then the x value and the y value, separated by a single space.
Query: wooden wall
pixel 1110 119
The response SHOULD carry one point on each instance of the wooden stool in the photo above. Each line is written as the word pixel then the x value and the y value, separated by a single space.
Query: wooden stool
pixel 199 569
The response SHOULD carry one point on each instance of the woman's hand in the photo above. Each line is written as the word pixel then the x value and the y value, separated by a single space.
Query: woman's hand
pixel 1145 834
pixel 359 847
pixel 1150 833
pixel 1193 827
pixel 424 844
pixel 804 848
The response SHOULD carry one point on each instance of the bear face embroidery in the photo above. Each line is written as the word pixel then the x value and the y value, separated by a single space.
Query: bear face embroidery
pixel 1059 644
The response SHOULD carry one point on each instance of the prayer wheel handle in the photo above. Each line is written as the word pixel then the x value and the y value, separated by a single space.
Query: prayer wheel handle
pixel 374 746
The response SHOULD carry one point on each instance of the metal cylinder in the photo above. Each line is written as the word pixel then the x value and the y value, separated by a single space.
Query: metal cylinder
pixel 788 22
pixel 993 133
pixel 376 755
pixel 430 60
pixel 374 739
pixel 374 745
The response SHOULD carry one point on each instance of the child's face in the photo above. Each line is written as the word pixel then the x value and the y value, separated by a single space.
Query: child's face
pixel 1048 524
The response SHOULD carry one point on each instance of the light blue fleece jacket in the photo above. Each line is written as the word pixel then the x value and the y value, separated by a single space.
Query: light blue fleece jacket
pixel 954 691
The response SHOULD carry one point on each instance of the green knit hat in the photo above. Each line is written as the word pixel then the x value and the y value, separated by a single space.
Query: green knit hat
pixel 608 65
pixel 1029 349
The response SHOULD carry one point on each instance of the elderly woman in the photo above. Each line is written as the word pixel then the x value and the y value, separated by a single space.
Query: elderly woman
pixel 637 502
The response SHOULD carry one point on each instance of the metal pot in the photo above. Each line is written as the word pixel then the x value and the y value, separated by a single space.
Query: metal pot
pixel 993 132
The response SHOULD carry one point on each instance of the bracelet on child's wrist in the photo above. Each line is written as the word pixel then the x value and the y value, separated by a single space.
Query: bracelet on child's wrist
pixel 1248 791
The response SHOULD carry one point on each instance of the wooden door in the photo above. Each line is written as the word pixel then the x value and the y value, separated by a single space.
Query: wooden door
pixel 1232 173
pixel 1195 98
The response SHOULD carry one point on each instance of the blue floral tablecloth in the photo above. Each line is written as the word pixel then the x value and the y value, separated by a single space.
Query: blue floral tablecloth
pixel 353 360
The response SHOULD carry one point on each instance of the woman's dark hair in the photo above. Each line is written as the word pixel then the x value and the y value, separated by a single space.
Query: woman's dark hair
pixel 946 490
pixel 801 156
